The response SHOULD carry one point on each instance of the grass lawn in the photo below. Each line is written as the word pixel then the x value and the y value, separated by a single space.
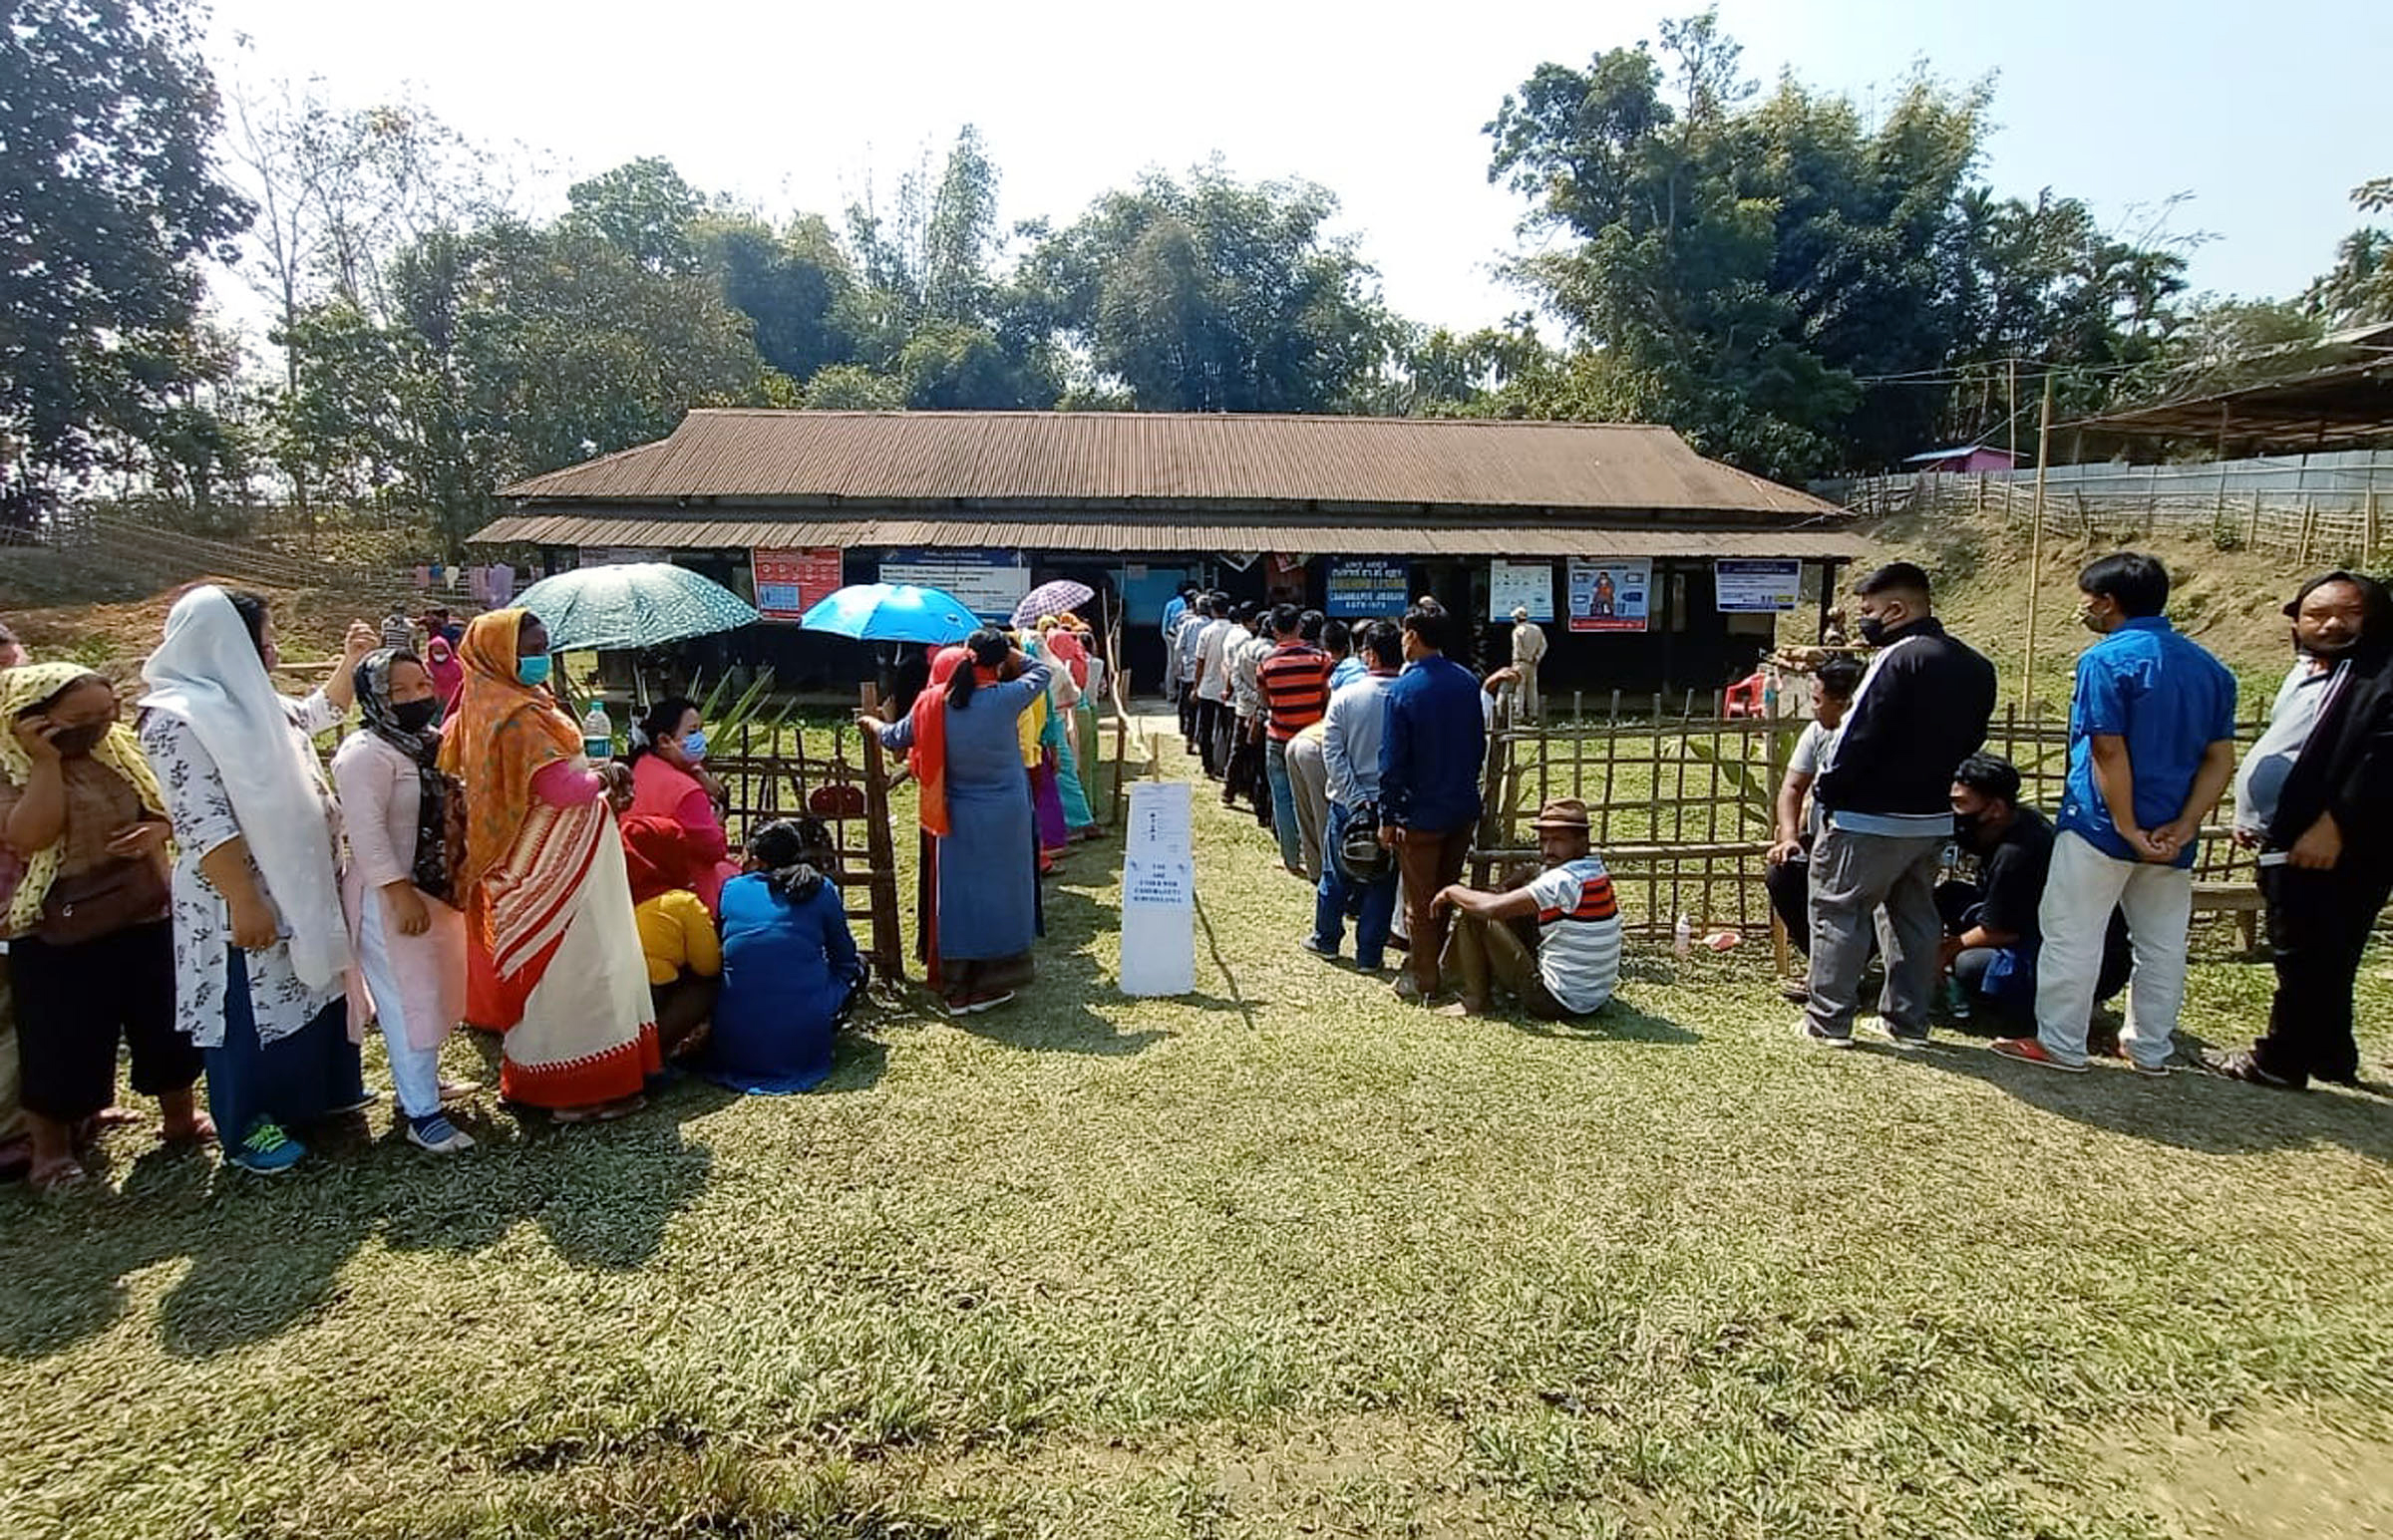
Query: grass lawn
pixel 1282 1256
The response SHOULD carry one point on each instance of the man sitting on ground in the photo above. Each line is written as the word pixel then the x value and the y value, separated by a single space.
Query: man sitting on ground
pixel 1554 944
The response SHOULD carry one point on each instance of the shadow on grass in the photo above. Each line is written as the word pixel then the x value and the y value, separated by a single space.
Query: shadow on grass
pixel 1618 1021
pixel 266 1254
pixel 2188 1110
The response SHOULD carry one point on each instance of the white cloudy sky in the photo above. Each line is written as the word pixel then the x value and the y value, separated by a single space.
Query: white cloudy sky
pixel 2267 115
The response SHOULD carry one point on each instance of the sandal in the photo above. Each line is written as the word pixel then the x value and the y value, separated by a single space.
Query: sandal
pixel 57 1180
pixel 201 1131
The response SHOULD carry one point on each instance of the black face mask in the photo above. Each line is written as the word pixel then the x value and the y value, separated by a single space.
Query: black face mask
pixel 415 715
pixel 75 742
pixel 1872 630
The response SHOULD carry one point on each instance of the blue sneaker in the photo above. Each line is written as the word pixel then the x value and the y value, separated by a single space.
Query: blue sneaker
pixel 268 1150
pixel 436 1133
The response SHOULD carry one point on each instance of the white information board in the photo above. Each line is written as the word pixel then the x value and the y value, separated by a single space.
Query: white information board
pixel 1513 585
pixel 1158 891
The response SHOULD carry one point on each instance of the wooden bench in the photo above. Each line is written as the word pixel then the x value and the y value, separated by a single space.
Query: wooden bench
pixel 2240 899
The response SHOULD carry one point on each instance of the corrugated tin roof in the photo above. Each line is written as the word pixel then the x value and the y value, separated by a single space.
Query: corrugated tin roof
pixel 1134 536
pixel 1169 459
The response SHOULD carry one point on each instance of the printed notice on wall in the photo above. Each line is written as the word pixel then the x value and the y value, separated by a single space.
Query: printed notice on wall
pixel 1158 891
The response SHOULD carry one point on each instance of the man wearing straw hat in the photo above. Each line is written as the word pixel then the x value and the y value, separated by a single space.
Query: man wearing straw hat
pixel 1554 944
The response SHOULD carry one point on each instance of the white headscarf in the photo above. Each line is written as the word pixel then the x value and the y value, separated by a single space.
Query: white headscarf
pixel 208 672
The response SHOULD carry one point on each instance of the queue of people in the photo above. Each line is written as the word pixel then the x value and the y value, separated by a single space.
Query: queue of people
pixel 197 890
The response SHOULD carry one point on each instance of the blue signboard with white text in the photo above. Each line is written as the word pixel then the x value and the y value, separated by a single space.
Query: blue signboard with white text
pixel 1359 587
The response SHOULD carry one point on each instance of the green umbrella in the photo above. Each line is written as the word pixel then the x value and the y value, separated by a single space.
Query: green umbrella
pixel 637 604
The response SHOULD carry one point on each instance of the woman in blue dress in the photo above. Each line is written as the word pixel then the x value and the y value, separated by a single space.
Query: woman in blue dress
pixel 789 966
pixel 961 742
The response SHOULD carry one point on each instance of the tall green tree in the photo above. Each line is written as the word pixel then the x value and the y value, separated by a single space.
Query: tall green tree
pixel 109 196
pixel 2359 287
pixel 1214 295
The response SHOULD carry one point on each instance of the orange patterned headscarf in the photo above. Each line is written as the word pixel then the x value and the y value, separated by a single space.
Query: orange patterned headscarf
pixel 504 732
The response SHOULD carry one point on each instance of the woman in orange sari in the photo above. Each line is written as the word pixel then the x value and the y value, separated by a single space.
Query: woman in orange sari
pixel 554 958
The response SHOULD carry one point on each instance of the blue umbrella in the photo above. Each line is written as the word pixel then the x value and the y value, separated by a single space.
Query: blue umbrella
pixel 633 604
pixel 892 612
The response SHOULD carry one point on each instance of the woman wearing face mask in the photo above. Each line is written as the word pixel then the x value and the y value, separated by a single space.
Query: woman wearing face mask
pixel 261 952
pixel 399 891
pixel 669 780
pixel 789 966
pixel 93 951
pixel 553 956
pixel 448 674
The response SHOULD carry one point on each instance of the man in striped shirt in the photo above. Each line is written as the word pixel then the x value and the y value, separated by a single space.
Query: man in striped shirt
pixel 1555 945
pixel 1294 678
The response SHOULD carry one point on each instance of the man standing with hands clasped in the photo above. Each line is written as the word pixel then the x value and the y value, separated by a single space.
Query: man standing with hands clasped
pixel 2151 747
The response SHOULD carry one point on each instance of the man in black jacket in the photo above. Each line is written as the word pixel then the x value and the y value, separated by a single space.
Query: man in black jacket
pixel 1884 794
pixel 2326 841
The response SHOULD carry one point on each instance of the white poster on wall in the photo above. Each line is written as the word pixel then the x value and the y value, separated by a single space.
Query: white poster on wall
pixel 1756 588
pixel 1515 585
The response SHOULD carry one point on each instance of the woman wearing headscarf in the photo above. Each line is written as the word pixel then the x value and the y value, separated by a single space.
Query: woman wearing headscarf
pixel 399 891
pixel 2315 796
pixel 84 821
pixel 1067 666
pixel 554 955
pixel 262 951
pixel 789 966
pixel 448 674
pixel 962 743
pixel 669 780
pixel 678 939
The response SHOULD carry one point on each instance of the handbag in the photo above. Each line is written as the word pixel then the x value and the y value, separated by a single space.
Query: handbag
pixel 436 857
pixel 102 901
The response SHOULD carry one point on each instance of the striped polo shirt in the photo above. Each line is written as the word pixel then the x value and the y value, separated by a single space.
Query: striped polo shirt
pixel 1296 684
pixel 1579 933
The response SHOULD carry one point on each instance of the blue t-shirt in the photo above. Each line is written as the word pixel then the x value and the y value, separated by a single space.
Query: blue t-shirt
pixel 2170 701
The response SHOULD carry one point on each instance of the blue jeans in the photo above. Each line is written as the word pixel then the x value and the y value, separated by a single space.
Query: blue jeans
pixel 1378 906
pixel 1283 803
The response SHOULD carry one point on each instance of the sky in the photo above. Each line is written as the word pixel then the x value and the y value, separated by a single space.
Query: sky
pixel 2262 114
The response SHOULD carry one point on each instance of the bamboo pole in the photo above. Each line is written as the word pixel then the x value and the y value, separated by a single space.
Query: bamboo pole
pixel 2035 550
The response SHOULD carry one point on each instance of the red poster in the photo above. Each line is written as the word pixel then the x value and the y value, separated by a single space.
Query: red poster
pixel 789 583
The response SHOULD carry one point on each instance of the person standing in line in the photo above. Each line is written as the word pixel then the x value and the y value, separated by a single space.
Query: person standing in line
pixel 1884 794
pixel 1214 718
pixel 1245 651
pixel 2151 747
pixel 1351 733
pixel 1787 878
pixel 963 744
pixel 554 961
pixel 1308 788
pixel 1178 611
pixel 2316 799
pixel 261 948
pixel 399 891
pixel 1528 650
pixel 1185 653
pixel 1344 646
pixel 1294 681
pixel 16 1152
pixel 1433 746
pixel 84 824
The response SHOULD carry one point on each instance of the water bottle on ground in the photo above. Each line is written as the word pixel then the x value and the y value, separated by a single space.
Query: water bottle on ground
pixel 597 735
pixel 1682 935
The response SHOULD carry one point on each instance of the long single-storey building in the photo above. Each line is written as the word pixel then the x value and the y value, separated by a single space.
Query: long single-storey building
pixel 1650 566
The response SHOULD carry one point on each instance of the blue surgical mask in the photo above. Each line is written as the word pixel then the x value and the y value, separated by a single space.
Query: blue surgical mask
pixel 532 670
pixel 693 743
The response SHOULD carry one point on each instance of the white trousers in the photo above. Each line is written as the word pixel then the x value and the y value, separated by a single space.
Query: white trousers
pixel 2085 885
pixel 415 1072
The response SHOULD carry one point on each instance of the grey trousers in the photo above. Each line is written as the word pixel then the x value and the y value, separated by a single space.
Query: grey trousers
pixel 1851 876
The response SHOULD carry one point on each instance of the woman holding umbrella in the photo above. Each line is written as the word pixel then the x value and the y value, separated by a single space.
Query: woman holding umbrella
pixel 961 742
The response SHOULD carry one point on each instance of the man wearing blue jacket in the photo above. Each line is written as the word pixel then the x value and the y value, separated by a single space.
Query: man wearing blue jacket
pixel 1885 796
pixel 1432 746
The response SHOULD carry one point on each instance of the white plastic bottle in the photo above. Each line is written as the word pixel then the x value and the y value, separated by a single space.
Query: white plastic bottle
pixel 1682 935
pixel 597 735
